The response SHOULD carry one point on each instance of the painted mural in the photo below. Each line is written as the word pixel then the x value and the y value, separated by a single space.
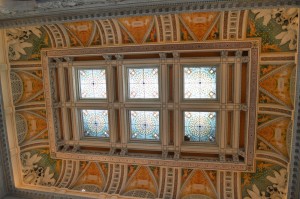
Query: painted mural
pixel 142 179
pixel 39 168
pixel 198 183
pixel 264 118
pixel 26 43
pixel 266 99
pixel 37 126
pixel 137 27
pixel 32 86
pixel 91 174
pixel 268 182
pixel 277 84
pixel 200 23
pixel 276 28
pixel 81 33
pixel 276 134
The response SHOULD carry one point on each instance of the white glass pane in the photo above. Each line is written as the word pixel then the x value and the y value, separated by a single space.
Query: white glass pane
pixel 200 126
pixel 143 83
pixel 95 123
pixel 92 84
pixel 144 125
pixel 200 82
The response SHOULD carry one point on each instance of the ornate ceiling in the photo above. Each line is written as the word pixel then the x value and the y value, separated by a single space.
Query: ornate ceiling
pixel 16 13
pixel 275 32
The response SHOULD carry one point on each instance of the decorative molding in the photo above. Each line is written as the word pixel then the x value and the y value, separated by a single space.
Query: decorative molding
pixel 294 166
pixel 281 58
pixel 276 110
pixel 203 46
pixel 124 8
pixel 4 152
pixel 123 156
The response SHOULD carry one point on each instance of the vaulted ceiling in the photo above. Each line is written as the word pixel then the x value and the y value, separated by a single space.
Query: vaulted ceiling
pixel 275 32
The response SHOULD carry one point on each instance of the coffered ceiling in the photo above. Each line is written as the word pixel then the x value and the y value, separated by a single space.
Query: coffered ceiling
pixel 264 40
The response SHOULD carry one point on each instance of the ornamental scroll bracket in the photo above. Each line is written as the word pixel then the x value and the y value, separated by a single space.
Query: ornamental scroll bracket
pixel 244 107
pixel 124 151
pixel 69 59
pixel 119 57
pixel 107 57
pixel 112 151
pixel 163 55
pixel 164 154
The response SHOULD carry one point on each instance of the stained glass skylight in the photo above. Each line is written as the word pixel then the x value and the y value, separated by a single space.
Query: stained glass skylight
pixel 200 82
pixel 200 126
pixel 144 125
pixel 143 83
pixel 95 123
pixel 92 83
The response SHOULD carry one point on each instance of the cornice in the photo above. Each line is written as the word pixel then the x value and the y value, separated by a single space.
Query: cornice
pixel 124 8
pixel 294 175
pixel 4 151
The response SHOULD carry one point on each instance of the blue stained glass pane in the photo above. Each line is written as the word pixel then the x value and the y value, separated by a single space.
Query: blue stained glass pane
pixel 95 123
pixel 144 125
pixel 92 84
pixel 143 83
pixel 200 126
pixel 200 82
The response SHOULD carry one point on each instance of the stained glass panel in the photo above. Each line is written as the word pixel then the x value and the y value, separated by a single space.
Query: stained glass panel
pixel 144 125
pixel 143 83
pixel 200 126
pixel 95 123
pixel 92 83
pixel 200 82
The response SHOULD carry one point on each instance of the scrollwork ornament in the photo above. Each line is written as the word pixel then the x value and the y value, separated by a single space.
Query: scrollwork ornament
pixel 176 54
pixel 69 59
pixel 222 157
pixel 119 57
pixel 243 107
pixel 162 55
pixel 124 151
pixel 235 158
pixel 245 59
pixel 224 53
pixel 176 155
pixel 58 59
pixel 107 57
pixel 238 53
pixel 112 151
pixel 165 154
pixel 65 148
pixel 241 152
pixel 76 148
pixel 255 44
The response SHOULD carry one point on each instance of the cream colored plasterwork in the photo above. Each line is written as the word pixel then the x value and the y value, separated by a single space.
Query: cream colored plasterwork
pixel 70 149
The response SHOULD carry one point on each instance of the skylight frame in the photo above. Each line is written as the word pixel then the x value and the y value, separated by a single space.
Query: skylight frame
pixel 202 143
pixel 127 67
pixel 201 65
pixel 128 119
pixel 78 86
pixel 81 125
pixel 174 103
